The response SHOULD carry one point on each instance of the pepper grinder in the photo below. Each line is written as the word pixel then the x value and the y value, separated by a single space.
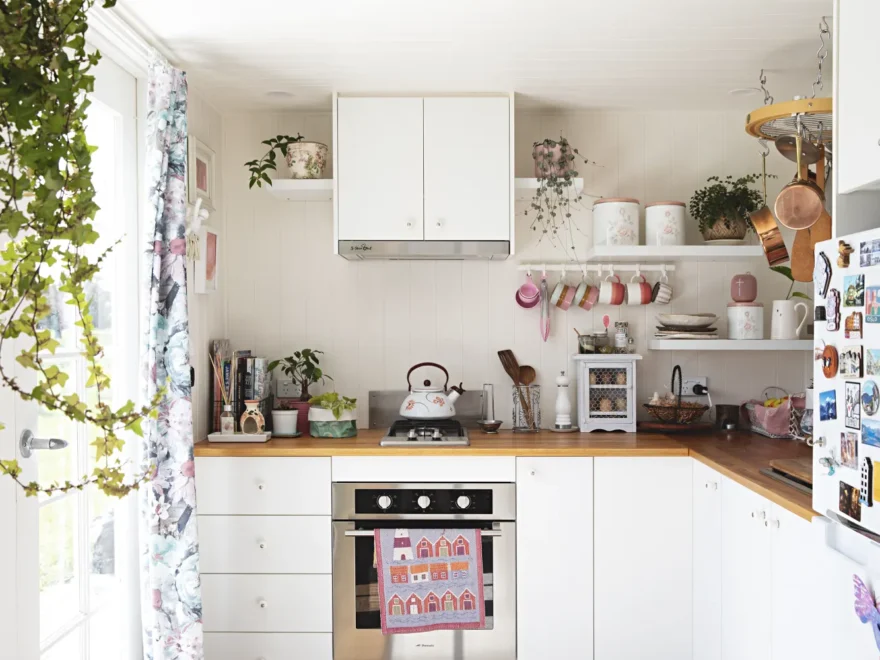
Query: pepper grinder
pixel 563 405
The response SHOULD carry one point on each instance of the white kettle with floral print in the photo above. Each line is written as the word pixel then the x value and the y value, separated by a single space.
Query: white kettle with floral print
pixel 427 402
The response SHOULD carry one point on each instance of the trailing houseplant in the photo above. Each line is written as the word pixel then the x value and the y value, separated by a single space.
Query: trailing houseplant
pixel 333 416
pixel 305 160
pixel 303 368
pixel 259 169
pixel 47 209
pixel 785 271
pixel 722 208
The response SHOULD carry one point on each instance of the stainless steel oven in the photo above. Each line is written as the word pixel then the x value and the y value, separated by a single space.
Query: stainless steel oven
pixel 359 508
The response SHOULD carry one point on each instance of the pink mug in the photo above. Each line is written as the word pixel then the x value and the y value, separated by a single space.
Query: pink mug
pixel 611 292
pixel 586 295
pixel 638 293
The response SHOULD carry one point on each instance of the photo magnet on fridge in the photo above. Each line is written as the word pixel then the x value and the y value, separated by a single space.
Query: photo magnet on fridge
pixel 848 502
pixel 866 491
pixel 871 432
pixel 872 304
pixel 870 398
pixel 869 253
pixel 852 417
pixel 851 362
pixel 872 361
pixel 854 290
pixel 828 405
pixel 852 327
pixel 822 275
pixel 849 450
pixel 832 311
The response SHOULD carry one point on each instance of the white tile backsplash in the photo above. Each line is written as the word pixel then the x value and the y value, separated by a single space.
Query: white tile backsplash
pixel 286 290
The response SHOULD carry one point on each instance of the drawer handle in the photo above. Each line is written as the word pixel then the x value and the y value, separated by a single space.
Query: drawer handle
pixel 261 486
pixel 263 604
pixel 261 545
pixel 533 472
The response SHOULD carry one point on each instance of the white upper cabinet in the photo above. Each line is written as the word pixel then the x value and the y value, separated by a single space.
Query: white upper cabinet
pixel 467 169
pixel 379 169
pixel 857 104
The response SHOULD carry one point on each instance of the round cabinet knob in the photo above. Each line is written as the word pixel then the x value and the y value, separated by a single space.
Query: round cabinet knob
pixel 384 502
pixel 261 486
pixel 263 604
pixel 439 224
pixel 533 472
pixel 424 501
pixel 773 524
pixel 463 502
pixel 261 545
pixel 408 225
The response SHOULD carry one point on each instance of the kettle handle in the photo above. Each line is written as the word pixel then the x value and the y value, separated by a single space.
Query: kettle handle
pixel 426 364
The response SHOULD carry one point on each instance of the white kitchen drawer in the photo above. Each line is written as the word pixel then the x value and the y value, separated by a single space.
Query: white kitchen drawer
pixel 263 486
pixel 428 468
pixel 268 646
pixel 267 603
pixel 265 544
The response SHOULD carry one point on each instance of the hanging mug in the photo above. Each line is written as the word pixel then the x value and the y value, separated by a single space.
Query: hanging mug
pixel 612 292
pixel 662 292
pixel 586 294
pixel 638 293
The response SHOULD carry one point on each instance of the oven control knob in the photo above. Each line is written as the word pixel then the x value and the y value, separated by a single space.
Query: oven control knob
pixel 384 502
pixel 424 501
pixel 463 502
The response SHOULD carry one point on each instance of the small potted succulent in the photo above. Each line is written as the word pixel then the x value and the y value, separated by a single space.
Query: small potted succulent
pixel 305 160
pixel 722 208
pixel 333 416
pixel 303 368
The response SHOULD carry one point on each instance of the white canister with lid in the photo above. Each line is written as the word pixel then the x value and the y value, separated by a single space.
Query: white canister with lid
pixel 664 223
pixel 745 320
pixel 616 221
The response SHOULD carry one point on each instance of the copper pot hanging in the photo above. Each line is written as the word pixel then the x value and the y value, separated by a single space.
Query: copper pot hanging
pixel 800 204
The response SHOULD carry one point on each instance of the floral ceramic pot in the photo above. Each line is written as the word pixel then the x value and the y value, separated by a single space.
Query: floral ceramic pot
pixel 664 223
pixel 616 221
pixel 323 424
pixel 307 160
pixel 745 320
pixel 726 230
pixel 252 420
pixel 549 161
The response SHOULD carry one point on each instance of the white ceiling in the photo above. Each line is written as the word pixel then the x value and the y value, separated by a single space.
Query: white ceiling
pixel 676 54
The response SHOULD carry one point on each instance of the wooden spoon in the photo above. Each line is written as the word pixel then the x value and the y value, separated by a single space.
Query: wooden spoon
pixel 511 366
pixel 527 374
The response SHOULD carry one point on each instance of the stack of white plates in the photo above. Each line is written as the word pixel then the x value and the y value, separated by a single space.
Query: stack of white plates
pixel 686 326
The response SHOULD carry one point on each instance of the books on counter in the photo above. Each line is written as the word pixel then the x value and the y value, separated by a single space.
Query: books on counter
pixel 252 377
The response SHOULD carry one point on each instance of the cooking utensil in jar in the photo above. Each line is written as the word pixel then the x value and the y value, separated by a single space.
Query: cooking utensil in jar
pixel 765 224
pixel 527 374
pixel 800 203
pixel 511 367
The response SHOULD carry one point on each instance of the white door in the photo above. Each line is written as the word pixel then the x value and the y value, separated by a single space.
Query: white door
pixel 468 177
pixel 379 169
pixel 76 554
pixel 554 504
pixel 857 146
pixel 707 563
pixel 643 558
pixel 745 574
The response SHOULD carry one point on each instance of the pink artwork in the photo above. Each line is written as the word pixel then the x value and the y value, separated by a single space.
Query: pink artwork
pixel 201 175
pixel 211 258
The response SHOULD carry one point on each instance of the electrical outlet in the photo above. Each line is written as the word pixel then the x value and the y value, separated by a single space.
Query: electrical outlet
pixel 284 389
pixel 687 386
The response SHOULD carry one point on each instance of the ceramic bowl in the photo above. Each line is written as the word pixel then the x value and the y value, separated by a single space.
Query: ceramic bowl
pixel 687 320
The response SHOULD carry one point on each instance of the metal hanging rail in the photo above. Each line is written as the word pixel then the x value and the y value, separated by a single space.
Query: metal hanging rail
pixel 595 268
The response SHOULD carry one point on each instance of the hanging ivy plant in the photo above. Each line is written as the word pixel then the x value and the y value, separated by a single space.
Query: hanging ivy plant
pixel 47 208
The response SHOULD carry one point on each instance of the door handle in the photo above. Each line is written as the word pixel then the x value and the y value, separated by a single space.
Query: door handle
pixel 369 532
pixel 28 444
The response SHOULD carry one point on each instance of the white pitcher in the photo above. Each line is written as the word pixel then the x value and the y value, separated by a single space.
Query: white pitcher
pixel 785 324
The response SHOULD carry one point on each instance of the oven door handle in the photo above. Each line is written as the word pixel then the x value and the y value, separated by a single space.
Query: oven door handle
pixel 370 532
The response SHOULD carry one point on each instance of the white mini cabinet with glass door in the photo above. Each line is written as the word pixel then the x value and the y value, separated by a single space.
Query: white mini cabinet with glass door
pixel 606 392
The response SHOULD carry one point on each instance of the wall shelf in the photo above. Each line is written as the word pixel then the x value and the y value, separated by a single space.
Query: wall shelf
pixel 526 187
pixel 731 344
pixel 638 253
pixel 302 190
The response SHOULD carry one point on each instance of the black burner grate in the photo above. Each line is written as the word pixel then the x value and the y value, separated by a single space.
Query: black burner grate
pixel 449 427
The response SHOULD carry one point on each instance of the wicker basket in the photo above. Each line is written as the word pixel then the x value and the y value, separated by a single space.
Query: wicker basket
pixel 677 413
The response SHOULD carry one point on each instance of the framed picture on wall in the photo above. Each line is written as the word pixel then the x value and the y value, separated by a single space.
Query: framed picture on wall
pixel 200 178
pixel 206 265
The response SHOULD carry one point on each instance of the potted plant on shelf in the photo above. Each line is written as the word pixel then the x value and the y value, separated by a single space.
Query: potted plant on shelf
pixel 333 416
pixel 305 160
pixel 722 208
pixel 303 368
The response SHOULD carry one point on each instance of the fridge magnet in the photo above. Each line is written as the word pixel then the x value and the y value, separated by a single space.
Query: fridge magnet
pixel 854 290
pixel 872 362
pixel 828 406
pixel 819 313
pixel 850 362
pixel 871 432
pixel 829 463
pixel 870 398
pixel 866 488
pixel 872 304
pixel 875 483
pixel 844 249
pixel 866 608
pixel 832 310
pixel 852 327
pixel 852 406
pixel 869 253
pixel 829 361
pixel 822 274
pixel 849 450
pixel 848 501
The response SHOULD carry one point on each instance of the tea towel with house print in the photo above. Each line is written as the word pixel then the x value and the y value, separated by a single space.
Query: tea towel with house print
pixel 430 579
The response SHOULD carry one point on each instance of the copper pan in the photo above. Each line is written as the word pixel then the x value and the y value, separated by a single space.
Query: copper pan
pixel 766 228
pixel 801 202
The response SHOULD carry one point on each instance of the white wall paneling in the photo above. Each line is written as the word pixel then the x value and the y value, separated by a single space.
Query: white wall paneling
pixel 286 289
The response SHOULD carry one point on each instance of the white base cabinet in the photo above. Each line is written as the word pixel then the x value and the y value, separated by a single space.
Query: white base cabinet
pixel 554 612
pixel 642 558
pixel 268 646
pixel 707 563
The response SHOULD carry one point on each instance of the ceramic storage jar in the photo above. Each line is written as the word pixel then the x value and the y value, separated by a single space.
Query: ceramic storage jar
pixel 616 221
pixel 745 320
pixel 664 223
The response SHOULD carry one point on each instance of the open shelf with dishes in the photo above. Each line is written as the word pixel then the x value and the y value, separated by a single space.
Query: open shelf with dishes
pixel 730 344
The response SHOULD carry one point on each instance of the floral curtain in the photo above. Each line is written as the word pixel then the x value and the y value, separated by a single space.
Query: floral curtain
pixel 172 603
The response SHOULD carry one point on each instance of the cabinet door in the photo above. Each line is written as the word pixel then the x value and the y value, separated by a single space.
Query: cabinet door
pixel 379 168
pixel 467 169
pixel 797 575
pixel 707 563
pixel 642 558
pixel 745 574
pixel 610 392
pixel 554 502
pixel 857 149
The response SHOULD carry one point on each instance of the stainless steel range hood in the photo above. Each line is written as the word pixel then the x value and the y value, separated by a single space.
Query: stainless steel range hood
pixel 414 250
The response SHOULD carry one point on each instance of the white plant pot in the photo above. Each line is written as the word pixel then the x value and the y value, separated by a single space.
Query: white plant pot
pixel 284 422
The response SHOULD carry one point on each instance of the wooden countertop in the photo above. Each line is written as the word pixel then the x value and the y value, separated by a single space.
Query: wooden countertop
pixel 739 456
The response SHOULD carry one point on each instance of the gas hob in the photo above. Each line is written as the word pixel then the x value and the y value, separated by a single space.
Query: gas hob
pixel 426 433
